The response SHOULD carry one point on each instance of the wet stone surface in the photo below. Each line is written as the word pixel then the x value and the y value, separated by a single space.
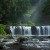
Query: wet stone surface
pixel 25 45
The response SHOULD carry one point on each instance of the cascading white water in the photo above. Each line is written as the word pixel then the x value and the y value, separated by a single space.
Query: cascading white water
pixel 12 28
pixel 43 28
pixel 20 30
pixel 48 28
pixel 26 30
pixel 38 30
pixel 29 31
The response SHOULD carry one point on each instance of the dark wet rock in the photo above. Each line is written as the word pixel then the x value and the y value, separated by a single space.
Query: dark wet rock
pixel 49 37
pixel 41 30
pixel 21 39
pixel 7 30
pixel 1 47
pixel 34 30
pixel 41 38
pixel 46 30
pixel 5 41
pixel 16 43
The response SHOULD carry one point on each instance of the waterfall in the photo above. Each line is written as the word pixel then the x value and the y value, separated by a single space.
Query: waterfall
pixel 43 28
pixel 48 28
pixel 20 30
pixel 12 28
pixel 38 30
pixel 28 30
pixel 25 30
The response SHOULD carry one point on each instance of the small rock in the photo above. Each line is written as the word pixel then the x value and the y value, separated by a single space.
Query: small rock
pixel 1 47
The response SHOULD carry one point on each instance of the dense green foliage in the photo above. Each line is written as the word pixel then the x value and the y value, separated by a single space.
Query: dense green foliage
pixel 2 27
pixel 11 11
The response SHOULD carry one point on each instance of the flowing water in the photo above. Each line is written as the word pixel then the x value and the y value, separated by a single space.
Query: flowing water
pixel 27 30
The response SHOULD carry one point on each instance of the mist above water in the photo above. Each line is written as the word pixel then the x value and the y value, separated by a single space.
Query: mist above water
pixel 37 15
pixel 35 12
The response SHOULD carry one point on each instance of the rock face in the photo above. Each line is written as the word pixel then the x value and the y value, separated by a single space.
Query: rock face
pixel 41 30
pixel 7 30
pixel 34 30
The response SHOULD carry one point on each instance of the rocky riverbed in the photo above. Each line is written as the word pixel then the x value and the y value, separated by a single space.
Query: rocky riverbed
pixel 13 44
